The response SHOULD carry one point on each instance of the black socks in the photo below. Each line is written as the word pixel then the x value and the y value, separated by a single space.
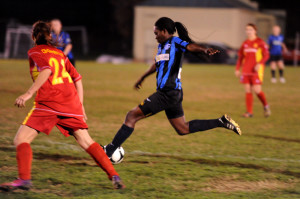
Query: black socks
pixel 273 73
pixel 281 72
pixel 203 125
pixel 194 126
pixel 119 138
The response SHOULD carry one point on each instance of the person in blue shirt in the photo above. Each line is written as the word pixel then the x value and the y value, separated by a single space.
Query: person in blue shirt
pixel 168 96
pixel 276 46
pixel 63 39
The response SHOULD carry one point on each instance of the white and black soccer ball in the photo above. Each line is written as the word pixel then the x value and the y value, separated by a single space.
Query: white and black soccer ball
pixel 118 156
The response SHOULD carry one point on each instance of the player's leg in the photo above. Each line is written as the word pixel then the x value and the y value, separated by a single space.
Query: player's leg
pixel 280 64
pixel 177 120
pixel 257 88
pixel 22 140
pixel 273 71
pixel 150 106
pixel 126 130
pixel 97 153
pixel 248 100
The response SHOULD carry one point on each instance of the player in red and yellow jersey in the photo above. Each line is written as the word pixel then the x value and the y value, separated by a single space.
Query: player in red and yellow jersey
pixel 58 102
pixel 252 57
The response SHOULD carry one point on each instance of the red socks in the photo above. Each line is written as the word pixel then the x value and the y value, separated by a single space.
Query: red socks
pixel 262 98
pixel 249 102
pixel 24 159
pixel 100 157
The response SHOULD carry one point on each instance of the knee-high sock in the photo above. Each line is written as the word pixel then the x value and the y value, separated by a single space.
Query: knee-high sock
pixel 100 157
pixel 261 96
pixel 273 73
pixel 24 159
pixel 281 72
pixel 123 133
pixel 203 125
pixel 249 102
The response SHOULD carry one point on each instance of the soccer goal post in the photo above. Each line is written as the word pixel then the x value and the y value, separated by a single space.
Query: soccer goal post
pixel 18 40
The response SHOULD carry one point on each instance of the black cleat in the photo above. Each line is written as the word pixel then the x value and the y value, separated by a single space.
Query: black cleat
pixel 230 124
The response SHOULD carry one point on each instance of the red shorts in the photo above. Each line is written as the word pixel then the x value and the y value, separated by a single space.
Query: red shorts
pixel 44 121
pixel 250 79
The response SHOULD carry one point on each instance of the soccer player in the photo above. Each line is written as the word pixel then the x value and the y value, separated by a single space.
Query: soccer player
pixel 252 56
pixel 169 95
pixel 59 102
pixel 276 46
pixel 63 39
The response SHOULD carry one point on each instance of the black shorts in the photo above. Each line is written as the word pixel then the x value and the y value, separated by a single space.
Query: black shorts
pixel 169 101
pixel 275 58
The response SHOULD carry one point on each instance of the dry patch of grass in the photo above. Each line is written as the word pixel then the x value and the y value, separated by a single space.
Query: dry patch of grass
pixel 230 185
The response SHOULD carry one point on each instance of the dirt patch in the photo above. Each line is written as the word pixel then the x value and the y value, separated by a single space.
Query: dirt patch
pixel 8 168
pixel 229 185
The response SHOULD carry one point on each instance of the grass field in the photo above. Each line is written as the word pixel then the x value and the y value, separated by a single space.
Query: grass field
pixel 262 163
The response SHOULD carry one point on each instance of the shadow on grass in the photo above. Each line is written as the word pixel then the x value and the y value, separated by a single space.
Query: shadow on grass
pixel 276 138
pixel 7 149
pixel 79 161
pixel 223 163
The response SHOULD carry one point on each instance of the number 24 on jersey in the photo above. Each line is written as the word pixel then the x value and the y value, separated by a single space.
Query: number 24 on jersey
pixel 59 75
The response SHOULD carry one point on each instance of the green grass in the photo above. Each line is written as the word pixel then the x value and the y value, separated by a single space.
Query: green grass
pixel 262 163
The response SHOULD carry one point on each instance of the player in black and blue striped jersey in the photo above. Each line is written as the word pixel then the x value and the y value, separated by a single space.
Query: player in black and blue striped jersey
pixel 276 46
pixel 169 95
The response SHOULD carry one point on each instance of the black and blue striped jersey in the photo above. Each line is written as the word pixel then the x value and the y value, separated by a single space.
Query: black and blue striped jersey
pixel 169 64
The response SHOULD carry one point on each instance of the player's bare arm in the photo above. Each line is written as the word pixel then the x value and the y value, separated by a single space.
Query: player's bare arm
pixel 237 73
pixel 284 47
pixel 150 71
pixel 192 47
pixel 41 79
pixel 237 69
pixel 68 49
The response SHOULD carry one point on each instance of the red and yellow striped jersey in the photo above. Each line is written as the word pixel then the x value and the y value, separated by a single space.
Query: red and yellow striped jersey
pixel 252 53
pixel 58 94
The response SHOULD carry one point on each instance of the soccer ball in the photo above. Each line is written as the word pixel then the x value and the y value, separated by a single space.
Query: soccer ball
pixel 117 156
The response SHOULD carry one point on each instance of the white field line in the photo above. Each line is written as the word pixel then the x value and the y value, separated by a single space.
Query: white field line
pixel 71 147
pixel 63 145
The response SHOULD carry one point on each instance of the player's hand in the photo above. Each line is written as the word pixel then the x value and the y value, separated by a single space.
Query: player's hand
pixel 257 67
pixel 20 101
pixel 84 114
pixel 237 73
pixel 138 84
pixel 211 51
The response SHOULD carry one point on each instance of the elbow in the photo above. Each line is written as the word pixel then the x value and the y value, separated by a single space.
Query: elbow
pixel 78 83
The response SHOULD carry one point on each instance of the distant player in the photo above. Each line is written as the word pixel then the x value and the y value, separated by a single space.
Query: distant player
pixel 63 39
pixel 276 46
pixel 169 95
pixel 253 55
pixel 59 102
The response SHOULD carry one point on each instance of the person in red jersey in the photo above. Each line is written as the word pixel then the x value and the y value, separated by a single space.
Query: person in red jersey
pixel 58 102
pixel 253 54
